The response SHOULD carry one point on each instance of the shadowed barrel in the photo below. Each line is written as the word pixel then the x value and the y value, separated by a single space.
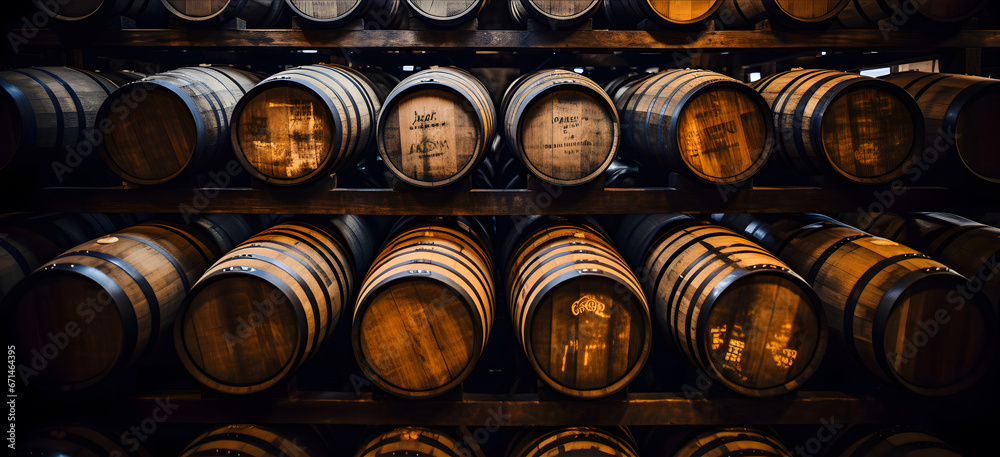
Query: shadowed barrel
pixel 81 11
pixel 79 441
pixel 733 442
pixel 412 441
pixel 590 441
pixel 899 441
pixel 256 13
pixel 868 13
pixel 794 13
pixel 250 441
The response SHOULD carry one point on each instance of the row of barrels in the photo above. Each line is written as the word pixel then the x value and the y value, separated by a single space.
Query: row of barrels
pixel 260 441
pixel 438 125
pixel 552 13
pixel 753 304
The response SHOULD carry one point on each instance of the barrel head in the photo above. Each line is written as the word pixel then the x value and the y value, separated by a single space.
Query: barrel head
pixel 683 11
pixel 444 9
pixel 811 10
pixel 326 10
pixel 722 135
pixel 198 8
pixel 975 135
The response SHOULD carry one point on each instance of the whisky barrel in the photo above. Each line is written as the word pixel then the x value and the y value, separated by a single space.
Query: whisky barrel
pixel 382 82
pixel 226 231
pixel 331 13
pixel 578 311
pixel 446 13
pixel 733 442
pixel 435 127
pixel 80 11
pixel 899 311
pixel 899 441
pixel 970 248
pixel 104 304
pixel 386 15
pixel 412 441
pixel 731 307
pixel 697 122
pixel 561 13
pixel 122 77
pixel 249 441
pixel 561 125
pixel 425 309
pixel 590 441
pixel 518 15
pixel 868 13
pixel 960 112
pixel 256 13
pixel 79 441
pixel 793 13
pixel 663 13
pixel 358 236
pixel 172 123
pixel 21 252
pixel 863 129
pixel 304 123
pixel 264 308
pixel 45 110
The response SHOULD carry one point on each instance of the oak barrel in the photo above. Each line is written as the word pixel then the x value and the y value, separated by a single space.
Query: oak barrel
pixel 412 441
pixel 247 440
pixel 45 110
pixel 663 13
pixel 80 11
pixel 264 308
pixel 332 13
pixel 590 441
pixel 561 13
pixel 793 13
pixel 80 441
pixel 697 122
pixel 122 77
pixel 226 231
pixel 960 113
pixel 561 125
pixel 425 309
pixel 732 442
pixel 22 251
pixel 898 311
pixel 446 13
pixel 102 305
pixel 578 311
pixel 896 13
pixel 435 127
pixel 899 441
pixel 731 307
pixel 863 129
pixel 256 13
pixel 171 124
pixel 305 123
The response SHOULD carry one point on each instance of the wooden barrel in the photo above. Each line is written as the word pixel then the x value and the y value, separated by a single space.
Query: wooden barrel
pixel 226 231
pixel 21 252
pixel 264 308
pixel 793 13
pixel 561 125
pixel 899 442
pixel 123 77
pixel 561 13
pixel 578 311
pixel 45 110
pixel 79 441
pixel 863 129
pixel 329 13
pixel 960 114
pixel 305 123
pixel 731 442
pixel 425 309
pixel 518 15
pixel 412 441
pixel 898 310
pixel 256 13
pixel 447 12
pixel 697 122
pixel 249 441
pixel 590 441
pixel 386 15
pixel 732 308
pixel 435 127
pixel 663 13
pixel 868 13
pixel 358 236
pixel 171 124
pixel 104 304
pixel 79 11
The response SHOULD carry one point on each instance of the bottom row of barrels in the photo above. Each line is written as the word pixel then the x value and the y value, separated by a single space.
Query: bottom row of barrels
pixel 257 441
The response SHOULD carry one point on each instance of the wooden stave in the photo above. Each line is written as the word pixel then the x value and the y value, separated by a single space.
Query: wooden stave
pixel 755 441
pixel 566 440
pixel 561 21
pixel 887 442
pixel 517 13
pixel 410 440
pixel 629 13
pixel 868 13
pixel 526 89
pixel 256 13
pixel 813 162
pixel 464 16
pixel 79 441
pixel 320 83
pixel 638 231
pixel 751 12
pixel 246 440
pixel 361 8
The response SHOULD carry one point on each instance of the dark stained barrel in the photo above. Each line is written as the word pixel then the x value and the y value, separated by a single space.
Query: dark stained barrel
pixel 561 125
pixel 412 441
pixel 696 122
pixel 171 124
pixel 256 13
pixel 731 442
pixel 901 442
pixel 79 441
pixel 868 13
pixel 561 13
pixel 960 113
pixel 794 13
pixel 86 11
pixel 663 13
pixel 863 129
pixel 446 13
pixel 594 442
pixel 21 252
pixel 122 77
pixel 226 231
pixel 305 123
pixel 249 441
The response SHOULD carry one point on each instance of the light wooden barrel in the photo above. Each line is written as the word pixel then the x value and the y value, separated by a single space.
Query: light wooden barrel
pixel 425 309
pixel 79 441
pixel 118 294
pixel 436 127
pixel 411 441
pixel 960 113
pixel 561 125
pixel 561 13
pixel 578 311
pixel 264 308
pixel 900 442
pixel 697 122
pixel 45 110
pixel 332 13
pixel 733 442
pixel 732 308
pixel 78 11
pixel 256 13
pixel 171 124
pixel 868 13
pixel 446 13
pixel 305 123
pixel 794 13
pixel 249 441
pixel 664 13
pixel 898 310
pixel 863 129
pixel 590 441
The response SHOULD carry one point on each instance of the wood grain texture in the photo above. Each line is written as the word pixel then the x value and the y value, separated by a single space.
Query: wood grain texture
pixel 793 13
pixel 696 122
pixel 591 441
pixel 256 13
pixel 561 13
pixel 665 13
pixel 78 441
pixel 425 309
pixel 859 128
pixel 446 12
pixel 415 441
pixel 248 440
pixel 900 441
pixel 131 282
pixel 733 441
pixel 561 125
pixel 330 11
pixel 868 13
